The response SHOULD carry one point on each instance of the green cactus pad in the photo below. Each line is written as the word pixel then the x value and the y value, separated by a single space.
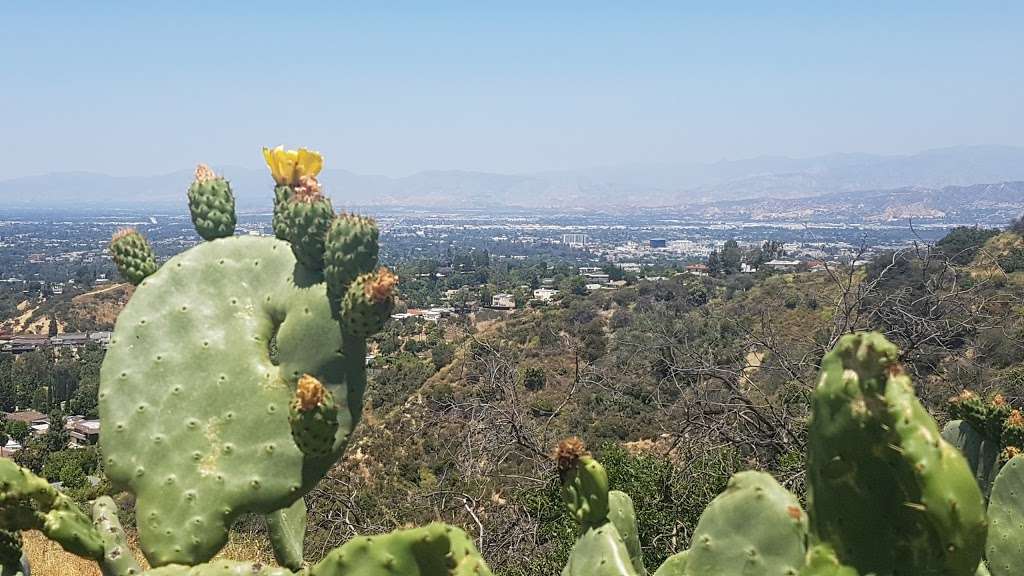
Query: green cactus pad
pixel 222 568
pixel 623 516
pixel 1004 549
pixel 195 413
pixel 132 255
pixel 287 529
pixel 755 527
pixel 28 502
pixel 599 551
pixel 674 565
pixel 884 489
pixel 350 249
pixel 982 454
pixel 433 550
pixel 822 561
pixel 307 219
pixel 279 222
pixel 118 559
pixel 584 484
pixel 212 205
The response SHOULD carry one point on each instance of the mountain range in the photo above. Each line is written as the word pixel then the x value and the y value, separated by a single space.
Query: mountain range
pixel 621 187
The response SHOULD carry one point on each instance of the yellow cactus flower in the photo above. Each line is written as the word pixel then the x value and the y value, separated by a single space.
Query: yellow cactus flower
pixel 288 167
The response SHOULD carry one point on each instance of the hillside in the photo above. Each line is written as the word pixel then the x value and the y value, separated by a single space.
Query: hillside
pixel 677 382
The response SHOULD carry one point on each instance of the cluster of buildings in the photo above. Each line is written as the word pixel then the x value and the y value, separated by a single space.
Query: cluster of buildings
pixel 83 431
pixel 16 344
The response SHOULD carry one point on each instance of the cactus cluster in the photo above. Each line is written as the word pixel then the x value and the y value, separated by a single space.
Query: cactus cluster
pixel 887 495
pixel 202 425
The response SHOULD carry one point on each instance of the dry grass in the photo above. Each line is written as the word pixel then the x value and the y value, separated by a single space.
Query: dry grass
pixel 47 558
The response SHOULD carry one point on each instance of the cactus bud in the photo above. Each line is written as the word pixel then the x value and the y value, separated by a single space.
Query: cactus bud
pixel 132 255
pixel 313 416
pixel 211 204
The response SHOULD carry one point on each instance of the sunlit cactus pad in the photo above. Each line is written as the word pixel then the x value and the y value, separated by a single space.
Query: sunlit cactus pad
pixel 196 414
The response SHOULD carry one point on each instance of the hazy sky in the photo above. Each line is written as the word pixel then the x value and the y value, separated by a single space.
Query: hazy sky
pixel 131 90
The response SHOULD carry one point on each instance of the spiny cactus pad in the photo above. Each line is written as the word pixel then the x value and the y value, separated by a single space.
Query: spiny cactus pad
pixel 584 483
pixel 884 489
pixel 981 452
pixel 287 529
pixel 599 551
pixel 1004 548
pixel 432 550
pixel 755 527
pixel 118 559
pixel 195 413
pixel 28 502
pixel 622 515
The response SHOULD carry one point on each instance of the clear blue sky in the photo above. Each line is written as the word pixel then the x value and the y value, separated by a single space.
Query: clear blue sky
pixel 136 88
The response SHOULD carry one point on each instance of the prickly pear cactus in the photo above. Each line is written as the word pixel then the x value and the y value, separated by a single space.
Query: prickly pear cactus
pixel 884 489
pixel 196 414
pixel 609 540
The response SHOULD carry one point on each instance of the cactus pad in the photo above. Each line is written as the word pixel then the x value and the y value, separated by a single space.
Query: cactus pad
pixel 433 550
pixel 599 551
pixel 1004 548
pixel 195 413
pixel 755 527
pixel 28 502
pixel 622 515
pixel 287 529
pixel 884 489
pixel 981 452
pixel 584 483
pixel 822 561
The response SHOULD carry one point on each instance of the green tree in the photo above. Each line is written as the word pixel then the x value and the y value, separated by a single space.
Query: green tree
pixel 18 430
pixel 962 244
pixel 731 257
pixel 57 437
pixel 714 263
pixel 442 354
pixel 531 377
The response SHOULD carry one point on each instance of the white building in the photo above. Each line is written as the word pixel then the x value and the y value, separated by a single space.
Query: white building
pixel 503 300
pixel 545 294
pixel 574 239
